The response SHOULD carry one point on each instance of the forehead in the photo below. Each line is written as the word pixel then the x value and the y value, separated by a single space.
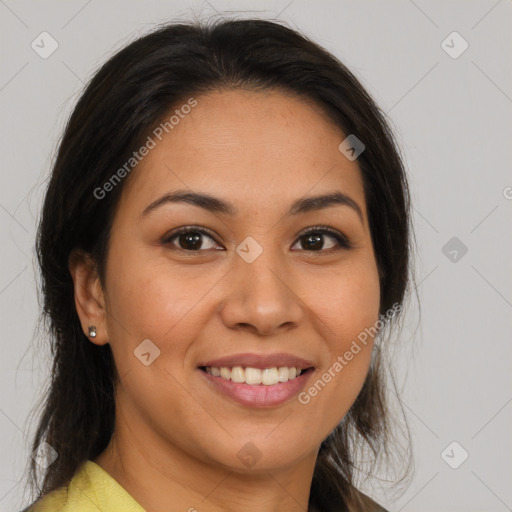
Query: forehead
pixel 251 146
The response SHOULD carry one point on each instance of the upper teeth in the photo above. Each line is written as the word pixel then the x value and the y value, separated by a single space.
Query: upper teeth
pixel 254 376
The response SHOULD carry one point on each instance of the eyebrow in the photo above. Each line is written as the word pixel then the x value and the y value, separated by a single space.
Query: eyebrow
pixel 216 205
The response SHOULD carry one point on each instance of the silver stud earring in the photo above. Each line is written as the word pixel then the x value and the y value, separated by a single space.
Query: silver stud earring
pixel 92 331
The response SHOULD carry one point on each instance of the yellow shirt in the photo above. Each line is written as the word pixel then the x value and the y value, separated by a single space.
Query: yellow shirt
pixel 91 489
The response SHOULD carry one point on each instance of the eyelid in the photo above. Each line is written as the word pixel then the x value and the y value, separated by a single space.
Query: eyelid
pixel 343 241
pixel 187 229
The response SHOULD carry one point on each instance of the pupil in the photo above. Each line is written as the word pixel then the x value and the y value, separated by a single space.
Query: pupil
pixel 192 240
pixel 312 240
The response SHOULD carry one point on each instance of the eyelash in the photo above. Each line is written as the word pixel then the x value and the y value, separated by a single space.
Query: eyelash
pixel 343 241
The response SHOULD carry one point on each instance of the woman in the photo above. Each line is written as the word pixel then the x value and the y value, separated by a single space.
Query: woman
pixel 224 235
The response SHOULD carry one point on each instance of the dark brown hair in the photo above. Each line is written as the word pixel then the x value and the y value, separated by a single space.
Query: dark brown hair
pixel 125 99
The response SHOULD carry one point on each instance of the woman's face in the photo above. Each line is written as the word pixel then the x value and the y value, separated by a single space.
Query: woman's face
pixel 252 290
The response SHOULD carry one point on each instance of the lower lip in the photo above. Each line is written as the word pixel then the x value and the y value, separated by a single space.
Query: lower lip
pixel 259 395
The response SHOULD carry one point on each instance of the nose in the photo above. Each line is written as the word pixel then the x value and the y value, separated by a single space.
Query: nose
pixel 261 299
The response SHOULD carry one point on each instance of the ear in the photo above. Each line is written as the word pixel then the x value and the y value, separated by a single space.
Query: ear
pixel 89 297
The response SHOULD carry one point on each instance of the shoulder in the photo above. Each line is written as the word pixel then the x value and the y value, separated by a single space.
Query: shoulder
pixel 91 489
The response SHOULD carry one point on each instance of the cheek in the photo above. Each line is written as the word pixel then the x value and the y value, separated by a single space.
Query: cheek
pixel 346 309
pixel 150 298
pixel 347 302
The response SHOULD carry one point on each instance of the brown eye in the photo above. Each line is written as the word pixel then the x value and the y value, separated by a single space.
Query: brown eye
pixel 192 239
pixel 314 240
pixel 189 239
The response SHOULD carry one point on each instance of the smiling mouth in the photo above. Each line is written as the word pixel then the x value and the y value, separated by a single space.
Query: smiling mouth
pixel 256 376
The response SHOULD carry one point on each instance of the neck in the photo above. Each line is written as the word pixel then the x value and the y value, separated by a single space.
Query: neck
pixel 156 473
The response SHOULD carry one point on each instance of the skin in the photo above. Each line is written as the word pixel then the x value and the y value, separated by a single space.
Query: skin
pixel 176 439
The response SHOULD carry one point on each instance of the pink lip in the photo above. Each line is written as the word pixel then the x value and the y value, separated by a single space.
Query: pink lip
pixel 258 395
pixel 259 361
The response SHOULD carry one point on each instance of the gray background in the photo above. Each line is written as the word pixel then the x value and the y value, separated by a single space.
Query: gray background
pixel 452 117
